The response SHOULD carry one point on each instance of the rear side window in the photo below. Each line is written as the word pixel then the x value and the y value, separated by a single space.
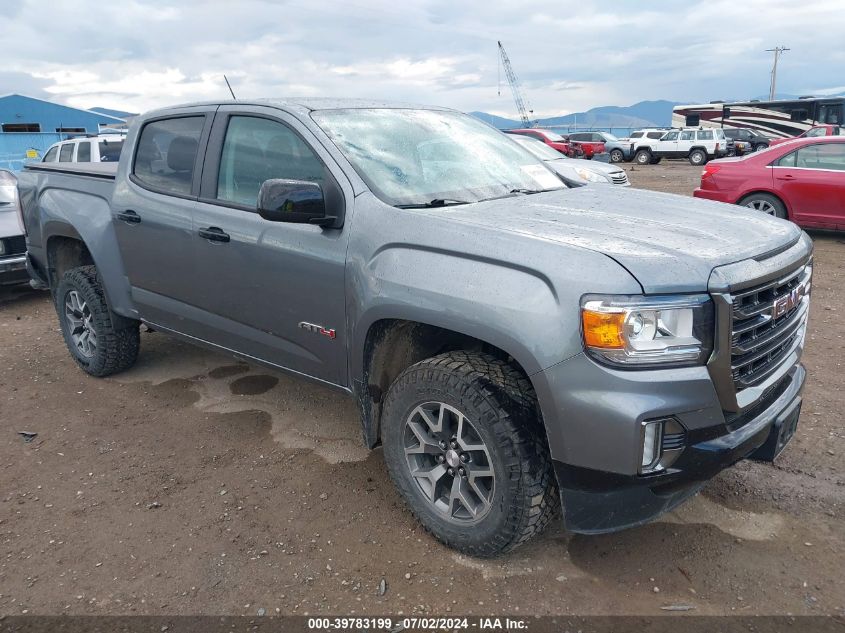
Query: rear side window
pixel 83 152
pixel 50 156
pixel 66 153
pixel 636 134
pixel 110 151
pixel 830 156
pixel 687 135
pixel 654 135
pixel 705 135
pixel 167 153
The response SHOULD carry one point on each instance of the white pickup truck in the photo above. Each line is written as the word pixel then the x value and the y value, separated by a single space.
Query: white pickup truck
pixel 696 145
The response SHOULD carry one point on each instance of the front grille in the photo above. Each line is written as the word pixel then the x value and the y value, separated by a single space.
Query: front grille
pixel 767 322
pixel 14 246
pixel 619 179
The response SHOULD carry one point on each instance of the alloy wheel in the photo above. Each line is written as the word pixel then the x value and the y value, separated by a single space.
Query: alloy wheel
pixel 449 462
pixel 761 205
pixel 80 324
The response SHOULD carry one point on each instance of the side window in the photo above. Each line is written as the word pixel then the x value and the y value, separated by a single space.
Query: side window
pixel 636 135
pixel 816 131
pixel 83 152
pixel 50 156
pixel 687 135
pixel 705 135
pixel 788 160
pixel 670 136
pixel 578 137
pixel 597 138
pixel 66 153
pixel 822 156
pixel 256 150
pixel 654 135
pixel 167 151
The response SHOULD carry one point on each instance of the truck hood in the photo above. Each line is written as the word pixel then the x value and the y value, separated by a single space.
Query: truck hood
pixel 669 243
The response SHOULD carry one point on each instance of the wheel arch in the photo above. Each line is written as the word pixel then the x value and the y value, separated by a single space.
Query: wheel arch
pixel 768 192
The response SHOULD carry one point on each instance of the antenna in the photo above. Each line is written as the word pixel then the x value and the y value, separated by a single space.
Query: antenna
pixel 229 86
pixel 777 50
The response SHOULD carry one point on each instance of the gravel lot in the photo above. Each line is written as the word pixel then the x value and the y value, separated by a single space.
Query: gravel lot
pixel 198 484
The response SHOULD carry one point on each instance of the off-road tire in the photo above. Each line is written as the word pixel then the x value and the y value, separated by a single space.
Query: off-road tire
pixel 697 157
pixel 118 338
pixel 617 156
pixel 499 401
pixel 655 160
pixel 643 157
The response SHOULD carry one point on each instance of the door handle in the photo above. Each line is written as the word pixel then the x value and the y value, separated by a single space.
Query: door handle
pixel 129 216
pixel 214 234
pixel 786 177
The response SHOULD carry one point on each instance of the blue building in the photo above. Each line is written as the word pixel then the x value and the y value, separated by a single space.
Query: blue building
pixel 28 126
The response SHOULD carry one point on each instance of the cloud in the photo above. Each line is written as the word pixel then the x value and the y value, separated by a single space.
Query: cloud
pixel 569 55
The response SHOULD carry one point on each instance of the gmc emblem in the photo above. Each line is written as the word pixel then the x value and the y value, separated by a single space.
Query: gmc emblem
pixel 785 304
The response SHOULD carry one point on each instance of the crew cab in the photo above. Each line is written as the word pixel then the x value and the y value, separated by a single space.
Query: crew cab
pixel 814 132
pixel 698 145
pixel 516 346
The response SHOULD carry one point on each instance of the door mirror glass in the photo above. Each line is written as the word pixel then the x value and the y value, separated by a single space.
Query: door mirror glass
pixel 300 201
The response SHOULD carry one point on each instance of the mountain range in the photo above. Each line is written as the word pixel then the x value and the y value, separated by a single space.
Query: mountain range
pixel 642 114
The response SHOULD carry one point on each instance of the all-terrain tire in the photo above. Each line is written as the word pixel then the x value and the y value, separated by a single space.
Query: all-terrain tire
pixel 643 157
pixel 499 401
pixel 118 339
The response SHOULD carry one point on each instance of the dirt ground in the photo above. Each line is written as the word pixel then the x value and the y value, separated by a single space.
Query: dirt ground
pixel 198 484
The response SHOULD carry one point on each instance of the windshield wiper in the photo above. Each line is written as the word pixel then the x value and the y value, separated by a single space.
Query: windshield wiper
pixel 528 191
pixel 437 202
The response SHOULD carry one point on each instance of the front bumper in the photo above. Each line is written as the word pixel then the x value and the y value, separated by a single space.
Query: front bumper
pixel 596 501
pixel 13 269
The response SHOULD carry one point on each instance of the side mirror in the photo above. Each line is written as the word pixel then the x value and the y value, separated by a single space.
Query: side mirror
pixel 298 201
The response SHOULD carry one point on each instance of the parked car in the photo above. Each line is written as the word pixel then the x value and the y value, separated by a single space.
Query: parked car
pixel 814 132
pixel 644 136
pixel 574 171
pixel 751 138
pixel 513 344
pixel 617 149
pixel 12 240
pixel 591 145
pixel 695 144
pixel 101 148
pixel 802 180
pixel 552 139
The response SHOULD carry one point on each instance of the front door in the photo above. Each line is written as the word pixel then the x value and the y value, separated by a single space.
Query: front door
pixel 668 144
pixel 152 212
pixel 270 290
pixel 812 179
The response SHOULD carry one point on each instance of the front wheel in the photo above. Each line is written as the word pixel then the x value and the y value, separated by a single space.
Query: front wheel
pixel 101 342
pixel 464 444
pixel 643 157
pixel 616 156
pixel 697 157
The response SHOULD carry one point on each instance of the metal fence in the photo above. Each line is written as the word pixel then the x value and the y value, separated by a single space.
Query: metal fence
pixel 16 148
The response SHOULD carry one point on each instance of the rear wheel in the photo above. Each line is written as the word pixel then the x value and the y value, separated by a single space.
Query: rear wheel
pixel 766 203
pixel 464 444
pixel 759 146
pixel 616 156
pixel 100 341
pixel 643 157
pixel 697 157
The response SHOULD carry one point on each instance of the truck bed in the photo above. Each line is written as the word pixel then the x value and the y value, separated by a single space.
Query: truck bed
pixel 105 171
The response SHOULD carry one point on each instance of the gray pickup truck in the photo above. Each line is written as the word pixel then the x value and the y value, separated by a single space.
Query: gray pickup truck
pixel 513 344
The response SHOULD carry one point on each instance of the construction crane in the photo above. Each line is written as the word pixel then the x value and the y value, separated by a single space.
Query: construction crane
pixel 521 102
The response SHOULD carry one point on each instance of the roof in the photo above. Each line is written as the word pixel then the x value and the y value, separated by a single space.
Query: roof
pixel 310 104
pixel 99 115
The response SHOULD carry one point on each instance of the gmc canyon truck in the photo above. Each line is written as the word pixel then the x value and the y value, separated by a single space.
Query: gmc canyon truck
pixel 513 344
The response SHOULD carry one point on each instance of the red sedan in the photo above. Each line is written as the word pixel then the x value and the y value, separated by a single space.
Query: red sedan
pixel 553 140
pixel 802 180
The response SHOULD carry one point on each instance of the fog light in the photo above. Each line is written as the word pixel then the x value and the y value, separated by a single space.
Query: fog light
pixel 652 434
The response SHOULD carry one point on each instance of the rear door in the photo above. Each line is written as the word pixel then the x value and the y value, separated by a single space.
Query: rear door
pixel 152 209
pixel 260 286
pixel 812 181
pixel 685 142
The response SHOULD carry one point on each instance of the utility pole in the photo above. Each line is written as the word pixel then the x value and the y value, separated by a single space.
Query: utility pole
pixel 778 51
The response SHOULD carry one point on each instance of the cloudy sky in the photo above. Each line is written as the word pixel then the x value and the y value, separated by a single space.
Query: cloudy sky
pixel 570 56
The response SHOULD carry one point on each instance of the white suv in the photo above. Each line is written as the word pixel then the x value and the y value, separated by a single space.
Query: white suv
pixel 695 144
pixel 102 148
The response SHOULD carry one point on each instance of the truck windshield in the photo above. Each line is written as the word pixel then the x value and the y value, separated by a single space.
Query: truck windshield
pixel 412 157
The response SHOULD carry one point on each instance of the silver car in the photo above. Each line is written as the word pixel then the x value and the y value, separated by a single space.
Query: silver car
pixel 574 171
pixel 12 239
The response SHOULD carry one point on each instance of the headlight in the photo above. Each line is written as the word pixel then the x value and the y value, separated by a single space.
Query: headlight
pixel 591 176
pixel 633 331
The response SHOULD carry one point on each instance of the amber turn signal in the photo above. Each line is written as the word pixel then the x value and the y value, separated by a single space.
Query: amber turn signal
pixel 603 329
